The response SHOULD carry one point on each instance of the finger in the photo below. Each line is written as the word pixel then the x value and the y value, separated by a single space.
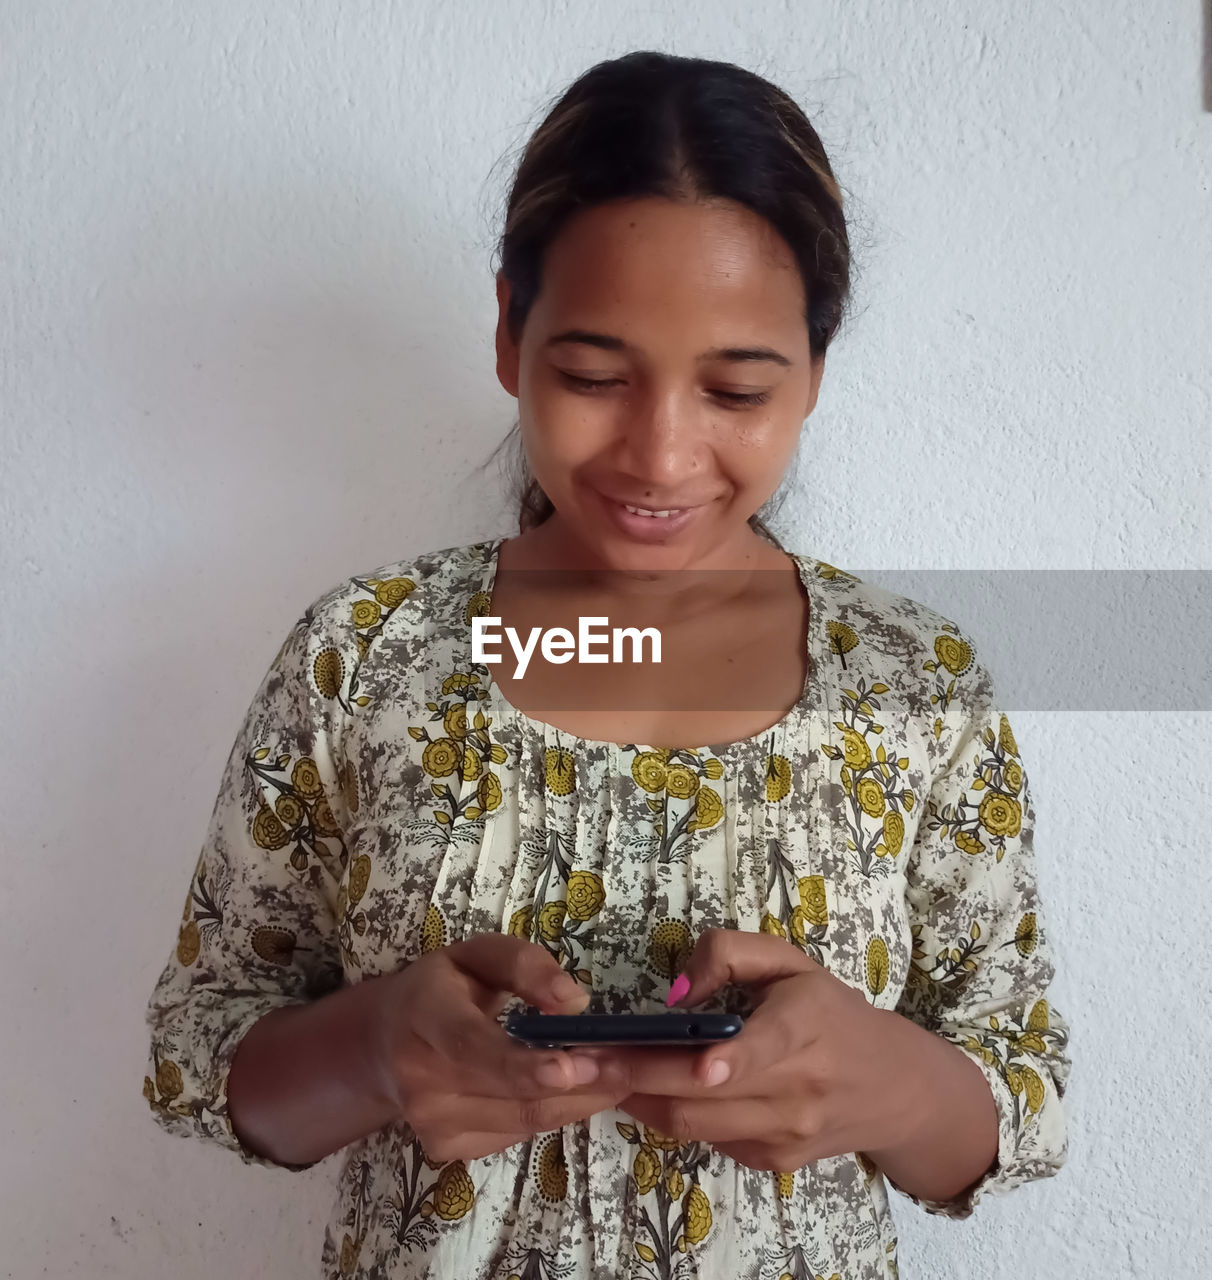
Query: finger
pixel 664 1072
pixel 725 1120
pixel 476 1047
pixel 723 956
pixel 781 1027
pixel 458 1112
pixel 500 962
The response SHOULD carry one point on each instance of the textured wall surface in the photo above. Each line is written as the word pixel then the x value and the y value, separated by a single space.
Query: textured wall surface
pixel 246 326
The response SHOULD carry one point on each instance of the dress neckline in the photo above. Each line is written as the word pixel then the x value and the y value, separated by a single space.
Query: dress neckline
pixel 810 694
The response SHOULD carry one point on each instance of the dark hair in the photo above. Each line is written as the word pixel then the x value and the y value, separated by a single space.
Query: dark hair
pixel 655 124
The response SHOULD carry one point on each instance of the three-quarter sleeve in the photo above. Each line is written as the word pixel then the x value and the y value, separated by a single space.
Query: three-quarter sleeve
pixel 259 928
pixel 981 961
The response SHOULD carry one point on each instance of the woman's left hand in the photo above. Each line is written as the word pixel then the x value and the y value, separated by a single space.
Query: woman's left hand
pixel 817 1071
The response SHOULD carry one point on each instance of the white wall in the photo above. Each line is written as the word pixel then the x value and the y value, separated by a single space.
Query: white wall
pixel 246 349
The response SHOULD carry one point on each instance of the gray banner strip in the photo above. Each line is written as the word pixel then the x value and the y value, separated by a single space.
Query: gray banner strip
pixel 1078 639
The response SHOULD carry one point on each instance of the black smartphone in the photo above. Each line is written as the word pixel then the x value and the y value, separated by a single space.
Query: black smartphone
pixel 567 1030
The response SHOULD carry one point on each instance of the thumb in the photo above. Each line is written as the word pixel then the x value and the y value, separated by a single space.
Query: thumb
pixel 505 966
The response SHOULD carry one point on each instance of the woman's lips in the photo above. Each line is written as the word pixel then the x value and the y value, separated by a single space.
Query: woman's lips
pixel 647 528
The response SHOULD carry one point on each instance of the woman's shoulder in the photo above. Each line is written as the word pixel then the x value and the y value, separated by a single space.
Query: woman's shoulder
pixel 889 632
pixel 427 581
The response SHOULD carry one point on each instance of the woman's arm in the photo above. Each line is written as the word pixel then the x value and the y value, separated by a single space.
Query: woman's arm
pixel 304 1083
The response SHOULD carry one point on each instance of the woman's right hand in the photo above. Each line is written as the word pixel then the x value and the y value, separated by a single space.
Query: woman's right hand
pixel 466 1088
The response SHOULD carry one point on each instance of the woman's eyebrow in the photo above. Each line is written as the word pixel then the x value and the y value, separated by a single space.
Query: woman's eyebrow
pixel 609 343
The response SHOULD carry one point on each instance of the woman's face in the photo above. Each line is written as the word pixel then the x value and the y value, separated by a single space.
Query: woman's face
pixel 633 383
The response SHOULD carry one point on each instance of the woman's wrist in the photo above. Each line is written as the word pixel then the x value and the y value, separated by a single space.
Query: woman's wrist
pixel 945 1136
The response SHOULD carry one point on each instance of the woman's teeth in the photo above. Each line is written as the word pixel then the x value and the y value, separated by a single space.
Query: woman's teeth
pixel 659 515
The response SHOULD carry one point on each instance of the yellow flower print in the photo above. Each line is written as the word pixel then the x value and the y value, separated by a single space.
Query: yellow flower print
pixel 454 1193
pixel 680 782
pixel 551 1171
pixel 841 637
pixel 1034 1087
pixel 289 810
pixel 1013 773
pixel 488 791
pixel 322 816
pixel 586 895
pixel 648 769
pixel 275 945
pixel 674 1184
pixel 560 771
pixel 366 613
pixel 786 1184
pixel 328 671
pixel 798 925
pixel 855 750
pixel 968 843
pixel 1026 935
pixel 1000 815
pixel 350 1252
pixel 669 947
pixel 189 943
pixel 551 920
pixel 894 831
pixel 646 1169
pixel 392 593
pixel 1006 738
pixel 168 1079
pixel 441 757
pixel 359 878
pixel 870 797
pixel 778 778
pixel 473 766
pixel 477 607
pixel 697 1209
pixel 455 721
pixel 907 799
pixel 433 931
pixel 713 769
pixel 521 922
pixel 1032 1042
pixel 877 965
pixel 1038 1018
pixel 953 653
pixel 305 778
pixel 268 831
pixel 708 810
pixel 660 1141
pixel 812 900
pixel 459 682
pixel 772 926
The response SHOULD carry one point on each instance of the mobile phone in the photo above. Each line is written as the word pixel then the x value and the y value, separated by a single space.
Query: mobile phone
pixel 561 1030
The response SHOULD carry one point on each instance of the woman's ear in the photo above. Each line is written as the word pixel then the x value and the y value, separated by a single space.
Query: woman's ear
pixel 507 351
pixel 818 370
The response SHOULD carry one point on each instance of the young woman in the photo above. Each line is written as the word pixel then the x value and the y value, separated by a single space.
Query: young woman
pixel 813 812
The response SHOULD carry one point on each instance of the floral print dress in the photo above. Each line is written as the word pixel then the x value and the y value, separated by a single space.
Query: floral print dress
pixel 383 799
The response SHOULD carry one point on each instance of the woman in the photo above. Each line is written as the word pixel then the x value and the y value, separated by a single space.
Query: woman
pixel 410 838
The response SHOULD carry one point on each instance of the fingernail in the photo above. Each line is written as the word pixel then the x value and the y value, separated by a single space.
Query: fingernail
pixel 584 1070
pixel 718 1072
pixel 551 1073
pixel 681 984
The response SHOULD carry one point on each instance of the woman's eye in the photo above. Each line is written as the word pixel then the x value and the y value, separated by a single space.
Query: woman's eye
pixel 592 385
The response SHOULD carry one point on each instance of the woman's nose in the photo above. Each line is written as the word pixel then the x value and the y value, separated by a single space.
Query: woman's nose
pixel 662 439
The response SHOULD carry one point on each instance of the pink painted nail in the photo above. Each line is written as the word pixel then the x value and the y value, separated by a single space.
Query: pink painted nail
pixel 680 986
